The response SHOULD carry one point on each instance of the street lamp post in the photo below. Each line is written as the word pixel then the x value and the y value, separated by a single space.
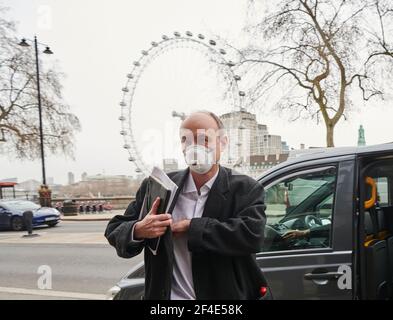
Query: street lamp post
pixel 44 192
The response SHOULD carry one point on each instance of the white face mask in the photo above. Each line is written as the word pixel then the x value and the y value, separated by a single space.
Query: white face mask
pixel 199 158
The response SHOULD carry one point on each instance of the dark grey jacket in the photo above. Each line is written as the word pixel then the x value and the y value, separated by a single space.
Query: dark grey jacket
pixel 222 242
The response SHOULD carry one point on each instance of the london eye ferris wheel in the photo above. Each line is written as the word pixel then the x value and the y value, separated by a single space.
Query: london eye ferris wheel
pixel 174 76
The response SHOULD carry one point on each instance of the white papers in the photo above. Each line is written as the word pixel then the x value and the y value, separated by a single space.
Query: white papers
pixel 166 182
pixel 160 175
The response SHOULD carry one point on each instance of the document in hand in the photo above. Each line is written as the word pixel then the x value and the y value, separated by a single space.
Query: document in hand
pixel 158 185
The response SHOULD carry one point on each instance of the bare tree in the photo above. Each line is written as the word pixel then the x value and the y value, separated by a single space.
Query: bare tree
pixel 380 42
pixel 315 52
pixel 19 122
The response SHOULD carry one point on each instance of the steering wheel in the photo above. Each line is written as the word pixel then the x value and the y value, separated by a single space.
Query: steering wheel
pixel 311 220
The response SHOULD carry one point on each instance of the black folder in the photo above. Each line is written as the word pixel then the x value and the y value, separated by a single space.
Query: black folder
pixel 155 189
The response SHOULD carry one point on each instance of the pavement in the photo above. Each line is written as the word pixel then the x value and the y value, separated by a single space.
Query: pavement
pixel 66 232
pixel 43 236
pixel 83 265
pixel 53 238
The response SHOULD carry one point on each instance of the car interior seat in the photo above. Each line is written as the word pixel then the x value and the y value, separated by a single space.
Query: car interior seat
pixel 376 252
pixel 385 221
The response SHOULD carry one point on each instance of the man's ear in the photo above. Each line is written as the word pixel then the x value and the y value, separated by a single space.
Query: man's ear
pixel 224 142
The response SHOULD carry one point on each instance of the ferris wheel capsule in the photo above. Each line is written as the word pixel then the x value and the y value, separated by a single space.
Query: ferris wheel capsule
pixel 132 159
pixel 201 36
pixel 154 44
pixel 125 89
pixel 123 132
pixel 212 42
pixel 222 51
pixel 242 93
pixel 189 33
pixel 136 63
pixel 165 37
pixel 122 104
pixel 122 118
pixel 130 76
pixel 126 146
pixel 237 78
pixel 177 34
pixel 138 170
pixel 144 52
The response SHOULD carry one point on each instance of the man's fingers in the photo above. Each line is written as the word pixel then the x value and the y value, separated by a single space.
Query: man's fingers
pixel 163 223
pixel 159 231
pixel 176 227
pixel 155 205
pixel 162 217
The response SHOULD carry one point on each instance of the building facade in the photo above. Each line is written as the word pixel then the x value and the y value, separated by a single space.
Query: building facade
pixel 250 146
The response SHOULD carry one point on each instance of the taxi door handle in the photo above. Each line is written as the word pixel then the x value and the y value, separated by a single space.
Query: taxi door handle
pixel 323 276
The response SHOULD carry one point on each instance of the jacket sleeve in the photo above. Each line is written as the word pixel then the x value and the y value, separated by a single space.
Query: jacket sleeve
pixel 120 227
pixel 242 234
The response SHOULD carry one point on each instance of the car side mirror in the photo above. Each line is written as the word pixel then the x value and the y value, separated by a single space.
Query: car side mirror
pixel 289 186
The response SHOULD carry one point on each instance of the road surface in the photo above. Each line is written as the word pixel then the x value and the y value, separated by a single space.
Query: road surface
pixel 83 269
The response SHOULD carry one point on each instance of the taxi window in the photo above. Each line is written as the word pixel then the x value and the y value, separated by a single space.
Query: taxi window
pixel 382 188
pixel 299 210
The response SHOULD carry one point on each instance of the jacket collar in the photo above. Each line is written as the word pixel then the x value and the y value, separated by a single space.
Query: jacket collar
pixel 189 185
pixel 217 195
pixel 221 183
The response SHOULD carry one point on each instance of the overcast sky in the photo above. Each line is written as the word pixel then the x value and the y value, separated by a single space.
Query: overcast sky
pixel 95 43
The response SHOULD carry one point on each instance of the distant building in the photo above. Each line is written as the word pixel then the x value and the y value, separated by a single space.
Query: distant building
pixel 251 148
pixel 268 161
pixel 101 186
pixel 84 176
pixel 241 127
pixel 272 145
pixel 285 147
pixel 30 186
pixel 294 153
pixel 361 137
pixel 170 165
pixel 248 138
pixel 71 178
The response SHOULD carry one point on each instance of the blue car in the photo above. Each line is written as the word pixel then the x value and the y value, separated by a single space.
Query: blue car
pixel 11 214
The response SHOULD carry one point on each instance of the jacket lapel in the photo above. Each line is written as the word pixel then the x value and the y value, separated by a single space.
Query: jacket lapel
pixel 217 195
pixel 179 178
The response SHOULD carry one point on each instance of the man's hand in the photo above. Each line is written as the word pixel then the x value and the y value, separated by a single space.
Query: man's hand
pixel 153 225
pixel 180 227
pixel 295 234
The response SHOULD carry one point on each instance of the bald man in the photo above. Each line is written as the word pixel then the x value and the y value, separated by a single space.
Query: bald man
pixel 211 233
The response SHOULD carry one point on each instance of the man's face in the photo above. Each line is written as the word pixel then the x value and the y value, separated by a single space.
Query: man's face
pixel 201 129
